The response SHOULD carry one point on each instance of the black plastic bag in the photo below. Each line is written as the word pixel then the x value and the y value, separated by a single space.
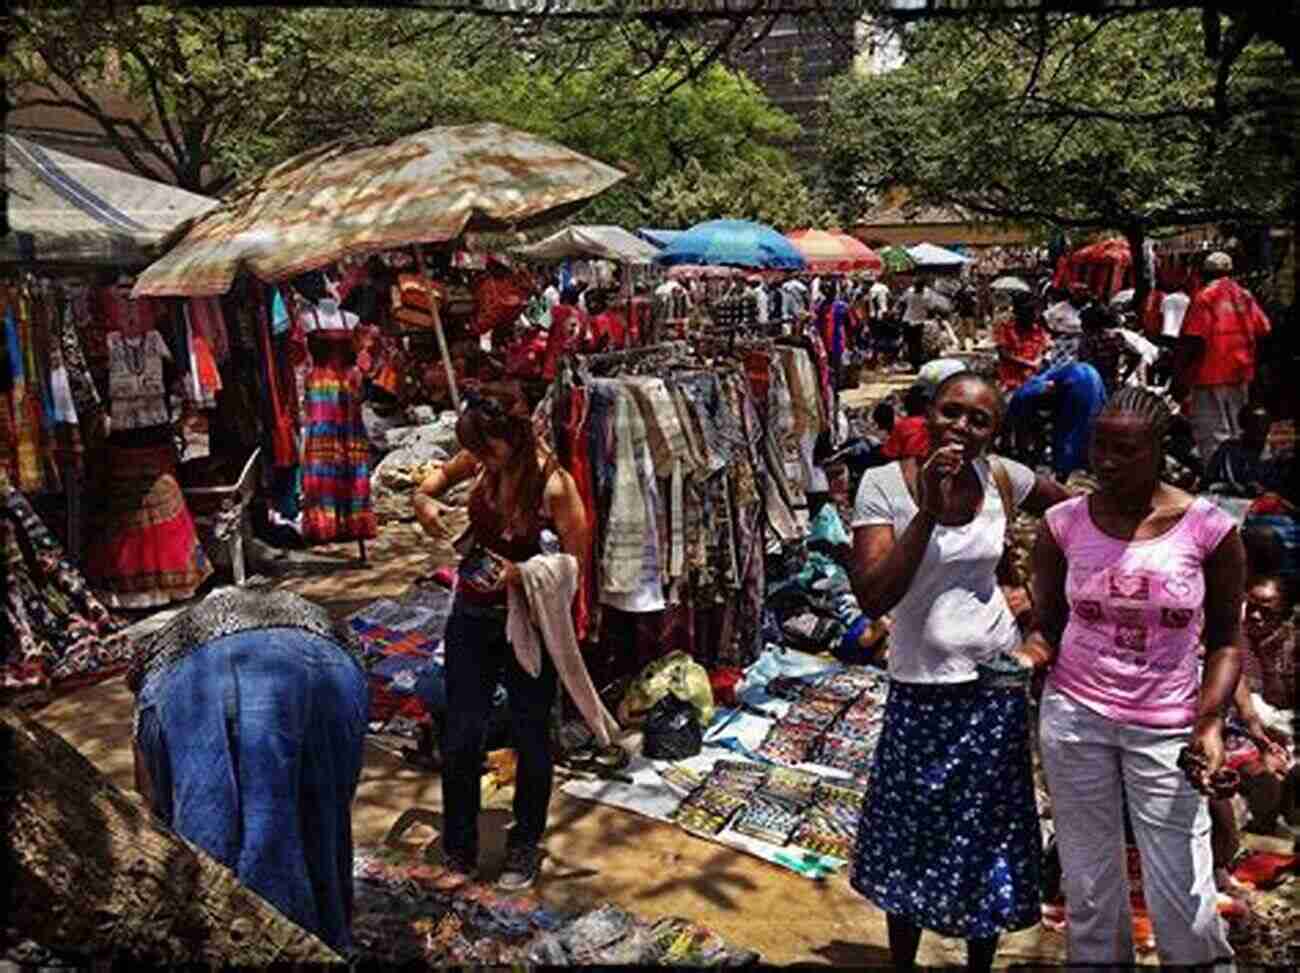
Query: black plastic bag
pixel 672 730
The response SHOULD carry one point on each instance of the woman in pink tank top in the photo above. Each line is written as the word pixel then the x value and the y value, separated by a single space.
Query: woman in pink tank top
pixel 1129 582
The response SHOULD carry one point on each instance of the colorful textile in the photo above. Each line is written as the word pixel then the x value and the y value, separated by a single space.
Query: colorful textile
pixel 336 453
pixel 57 635
pixel 401 644
pixel 144 551
pixel 1230 321
pixel 949 835
pixel 1026 345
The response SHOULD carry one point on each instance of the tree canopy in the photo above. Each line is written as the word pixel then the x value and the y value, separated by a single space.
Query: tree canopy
pixel 224 93
pixel 1110 122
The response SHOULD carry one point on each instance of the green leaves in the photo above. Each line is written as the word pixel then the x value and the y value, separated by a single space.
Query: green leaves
pixel 1065 120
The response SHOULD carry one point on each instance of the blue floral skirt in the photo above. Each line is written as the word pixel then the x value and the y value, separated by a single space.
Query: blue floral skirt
pixel 949 835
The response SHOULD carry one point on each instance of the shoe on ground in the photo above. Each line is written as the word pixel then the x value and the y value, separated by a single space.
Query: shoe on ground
pixel 459 867
pixel 522 866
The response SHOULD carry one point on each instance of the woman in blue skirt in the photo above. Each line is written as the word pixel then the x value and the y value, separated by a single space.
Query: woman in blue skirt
pixel 949 839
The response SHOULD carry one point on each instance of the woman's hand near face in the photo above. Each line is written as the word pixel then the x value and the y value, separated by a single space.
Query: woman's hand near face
pixel 937 480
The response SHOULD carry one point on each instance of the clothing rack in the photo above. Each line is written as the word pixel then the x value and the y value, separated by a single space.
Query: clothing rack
pixel 632 354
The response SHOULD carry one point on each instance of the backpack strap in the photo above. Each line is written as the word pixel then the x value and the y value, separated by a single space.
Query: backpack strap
pixel 1003 480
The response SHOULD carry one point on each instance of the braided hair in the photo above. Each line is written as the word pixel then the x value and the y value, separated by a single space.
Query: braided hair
pixel 1133 400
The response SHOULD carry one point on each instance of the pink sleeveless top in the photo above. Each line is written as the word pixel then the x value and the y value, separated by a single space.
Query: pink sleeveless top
pixel 1129 651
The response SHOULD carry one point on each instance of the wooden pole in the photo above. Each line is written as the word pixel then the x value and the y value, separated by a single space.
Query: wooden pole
pixel 93 872
pixel 438 333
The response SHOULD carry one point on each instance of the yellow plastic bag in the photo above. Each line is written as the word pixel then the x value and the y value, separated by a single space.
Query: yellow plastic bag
pixel 677 673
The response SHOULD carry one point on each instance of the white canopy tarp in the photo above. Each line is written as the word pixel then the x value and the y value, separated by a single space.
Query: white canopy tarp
pixel 598 242
pixel 928 256
pixel 68 210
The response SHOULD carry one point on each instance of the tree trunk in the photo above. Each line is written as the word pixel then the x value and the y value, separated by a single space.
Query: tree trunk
pixel 94 872
pixel 1142 284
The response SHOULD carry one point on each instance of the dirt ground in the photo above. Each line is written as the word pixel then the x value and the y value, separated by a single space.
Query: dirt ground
pixel 597 854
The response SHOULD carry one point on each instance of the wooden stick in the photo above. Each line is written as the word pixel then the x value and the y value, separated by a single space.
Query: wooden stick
pixel 438 333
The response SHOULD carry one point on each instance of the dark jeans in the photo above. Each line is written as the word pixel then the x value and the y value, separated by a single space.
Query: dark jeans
pixel 912 335
pixel 477 658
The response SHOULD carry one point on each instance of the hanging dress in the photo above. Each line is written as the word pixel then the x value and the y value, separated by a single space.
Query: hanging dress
pixel 336 454
pixel 54 633
pixel 144 551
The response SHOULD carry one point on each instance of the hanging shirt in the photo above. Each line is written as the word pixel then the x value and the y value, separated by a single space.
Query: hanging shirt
pixel 135 380
pixel 1172 310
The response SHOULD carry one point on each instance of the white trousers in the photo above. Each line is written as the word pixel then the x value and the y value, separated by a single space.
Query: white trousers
pixel 1092 764
pixel 1214 416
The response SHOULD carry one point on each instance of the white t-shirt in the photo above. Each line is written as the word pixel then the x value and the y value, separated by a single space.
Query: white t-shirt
pixel 1172 309
pixel 916 305
pixel 551 296
pixel 953 614
pixel 879 295
pixel 326 315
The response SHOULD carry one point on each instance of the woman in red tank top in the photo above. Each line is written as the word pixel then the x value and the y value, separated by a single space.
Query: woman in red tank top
pixel 520 488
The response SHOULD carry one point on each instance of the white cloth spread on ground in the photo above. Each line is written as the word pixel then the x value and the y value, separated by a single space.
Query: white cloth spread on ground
pixel 549 584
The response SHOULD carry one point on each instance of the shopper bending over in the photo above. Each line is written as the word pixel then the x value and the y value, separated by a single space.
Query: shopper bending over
pixel 250 720
pixel 1123 580
pixel 520 488
pixel 949 839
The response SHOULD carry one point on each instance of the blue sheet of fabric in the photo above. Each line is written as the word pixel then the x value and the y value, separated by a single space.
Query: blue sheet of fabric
pixel 1080 394
pixel 253 743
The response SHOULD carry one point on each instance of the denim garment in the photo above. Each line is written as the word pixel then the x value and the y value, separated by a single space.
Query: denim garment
pixel 253 744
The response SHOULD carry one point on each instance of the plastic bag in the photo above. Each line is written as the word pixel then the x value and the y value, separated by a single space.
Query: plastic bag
pixel 676 672
pixel 672 730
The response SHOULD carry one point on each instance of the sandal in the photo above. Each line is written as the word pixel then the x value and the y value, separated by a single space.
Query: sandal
pixel 611 758
pixel 581 758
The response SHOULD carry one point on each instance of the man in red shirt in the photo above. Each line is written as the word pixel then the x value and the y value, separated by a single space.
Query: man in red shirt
pixel 1216 353
pixel 910 436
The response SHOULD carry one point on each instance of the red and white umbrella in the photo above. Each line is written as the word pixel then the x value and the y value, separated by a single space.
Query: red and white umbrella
pixel 833 252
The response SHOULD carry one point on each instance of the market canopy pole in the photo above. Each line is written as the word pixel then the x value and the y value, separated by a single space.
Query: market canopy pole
pixel 436 313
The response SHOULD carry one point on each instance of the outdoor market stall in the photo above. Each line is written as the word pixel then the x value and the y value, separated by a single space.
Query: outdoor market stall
pixel 67 413
pixel 334 205
pixel 610 243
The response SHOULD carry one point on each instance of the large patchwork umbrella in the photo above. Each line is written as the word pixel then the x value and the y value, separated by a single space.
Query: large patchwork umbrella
pixel 738 243
pixel 832 252
pixel 346 198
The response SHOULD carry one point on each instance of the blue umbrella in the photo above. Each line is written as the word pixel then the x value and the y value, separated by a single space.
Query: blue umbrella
pixel 738 243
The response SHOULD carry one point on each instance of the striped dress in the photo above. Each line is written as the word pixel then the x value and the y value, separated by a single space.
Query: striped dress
pixel 336 454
